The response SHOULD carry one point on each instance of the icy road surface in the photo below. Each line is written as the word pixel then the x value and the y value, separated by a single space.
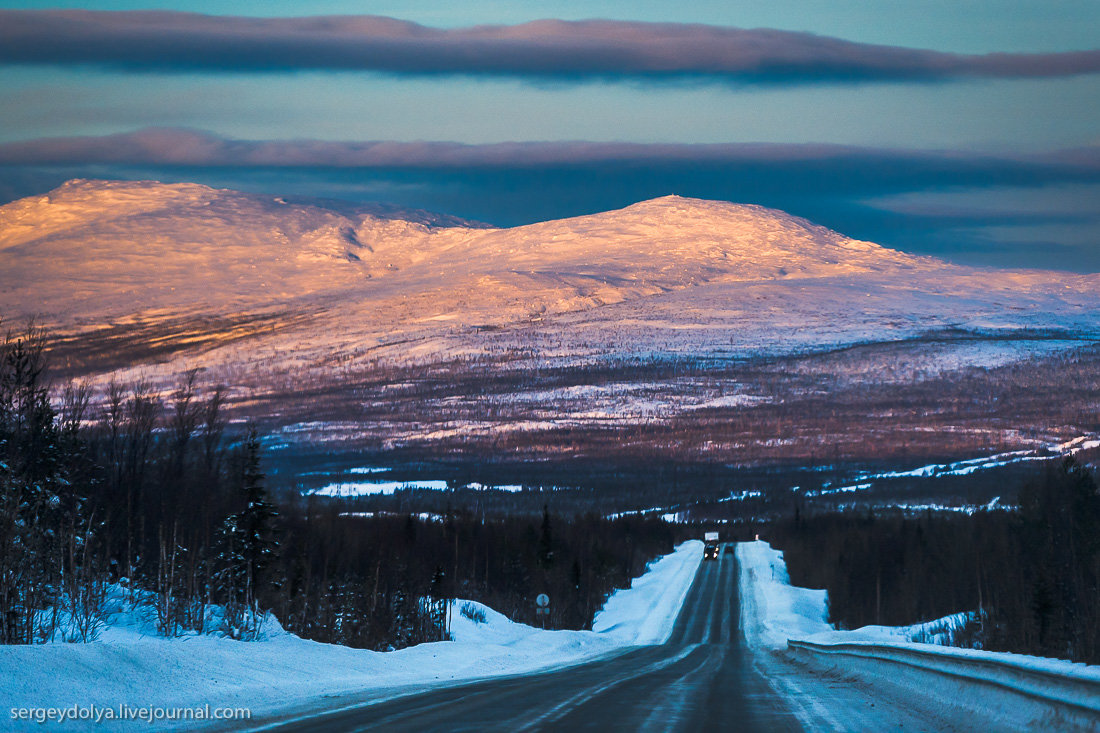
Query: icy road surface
pixel 704 677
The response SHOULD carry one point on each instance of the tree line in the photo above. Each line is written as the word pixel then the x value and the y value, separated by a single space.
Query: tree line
pixel 361 580
pixel 1030 577
pixel 160 496
pixel 144 492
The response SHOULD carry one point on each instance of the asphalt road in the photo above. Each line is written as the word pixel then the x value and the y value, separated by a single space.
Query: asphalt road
pixel 703 679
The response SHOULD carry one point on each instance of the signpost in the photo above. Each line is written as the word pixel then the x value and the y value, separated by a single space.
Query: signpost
pixel 542 601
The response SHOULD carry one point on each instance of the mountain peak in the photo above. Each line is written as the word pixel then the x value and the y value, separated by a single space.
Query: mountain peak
pixel 109 252
pixel 724 238
pixel 679 210
pixel 146 189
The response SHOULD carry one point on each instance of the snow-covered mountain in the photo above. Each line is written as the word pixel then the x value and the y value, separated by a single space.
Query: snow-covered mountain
pixel 243 277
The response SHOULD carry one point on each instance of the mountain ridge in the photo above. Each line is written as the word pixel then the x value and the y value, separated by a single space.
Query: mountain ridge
pixel 668 275
pixel 254 247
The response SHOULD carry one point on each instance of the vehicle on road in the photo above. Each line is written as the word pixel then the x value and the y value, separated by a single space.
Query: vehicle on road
pixel 710 546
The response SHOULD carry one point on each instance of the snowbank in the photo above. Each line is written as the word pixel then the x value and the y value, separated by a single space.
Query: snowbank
pixel 646 612
pixel 132 666
pixel 773 611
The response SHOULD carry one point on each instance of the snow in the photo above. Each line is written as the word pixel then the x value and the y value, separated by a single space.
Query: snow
pixel 911 508
pixel 892 690
pixel 352 489
pixel 369 488
pixel 661 278
pixel 423 516
pixel 737 400
pixel 966 467
pixel 773 611
pixel 510 488
pixel 633 512
pixel 963 468
pixel 646 612
pixel 130 665
pixel 1085 442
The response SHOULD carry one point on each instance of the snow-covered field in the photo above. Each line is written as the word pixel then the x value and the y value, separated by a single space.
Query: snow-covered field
pixel 351 489
pixel 370 488
pixel 130 665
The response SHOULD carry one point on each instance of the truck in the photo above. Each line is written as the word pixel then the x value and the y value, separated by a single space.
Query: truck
pixel 710 545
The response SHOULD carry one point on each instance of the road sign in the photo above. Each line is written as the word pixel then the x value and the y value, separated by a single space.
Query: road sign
pixel 543 600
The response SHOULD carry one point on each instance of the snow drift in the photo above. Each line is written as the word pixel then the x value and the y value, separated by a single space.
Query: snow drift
pixel 130 665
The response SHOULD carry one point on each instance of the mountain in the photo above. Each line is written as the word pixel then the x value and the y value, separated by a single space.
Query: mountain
pixel 183 274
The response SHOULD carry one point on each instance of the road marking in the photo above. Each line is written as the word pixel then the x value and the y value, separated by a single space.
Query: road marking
pixel 669 711
pixel 563 708
pixel 664 716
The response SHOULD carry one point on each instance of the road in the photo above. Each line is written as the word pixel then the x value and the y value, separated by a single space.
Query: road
pixel 702 679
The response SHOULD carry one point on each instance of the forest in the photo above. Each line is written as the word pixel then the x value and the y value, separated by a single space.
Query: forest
pixel 164 496
pixel 1030 577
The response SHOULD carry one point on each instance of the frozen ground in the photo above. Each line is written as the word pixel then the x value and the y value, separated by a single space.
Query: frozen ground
pixel 130 665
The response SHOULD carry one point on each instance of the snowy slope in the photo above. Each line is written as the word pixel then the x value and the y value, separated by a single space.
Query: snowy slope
pixel 235 279
pixel 129 664
pixel 192 248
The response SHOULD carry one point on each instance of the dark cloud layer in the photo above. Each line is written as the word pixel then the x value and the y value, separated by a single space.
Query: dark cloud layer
pixel 185 147
pixel 140 41
pixel 518 183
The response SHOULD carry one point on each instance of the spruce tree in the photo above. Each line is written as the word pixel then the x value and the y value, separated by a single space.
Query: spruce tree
pixel 248 546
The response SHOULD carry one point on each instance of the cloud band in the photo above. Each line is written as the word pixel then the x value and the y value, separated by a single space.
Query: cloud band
pixel 549 49
pixel 185 147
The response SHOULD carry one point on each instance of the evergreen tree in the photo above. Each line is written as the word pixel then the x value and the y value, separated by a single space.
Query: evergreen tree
pixel 33 489
pixel 248 546
pixel 546 541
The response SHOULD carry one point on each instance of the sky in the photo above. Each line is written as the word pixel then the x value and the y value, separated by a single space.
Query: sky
pixel 966 129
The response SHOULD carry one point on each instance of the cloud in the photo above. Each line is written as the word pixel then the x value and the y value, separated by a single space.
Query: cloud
pixel 549 49
pixel 186 147
pixel 512 183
